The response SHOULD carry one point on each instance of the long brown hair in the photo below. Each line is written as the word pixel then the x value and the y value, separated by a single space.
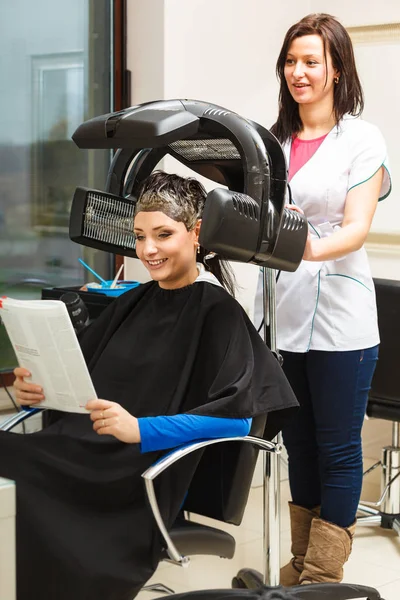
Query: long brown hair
pixel 182 199
pixel 348 95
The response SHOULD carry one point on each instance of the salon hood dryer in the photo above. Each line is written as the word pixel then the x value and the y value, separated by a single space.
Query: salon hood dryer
pixel 246 221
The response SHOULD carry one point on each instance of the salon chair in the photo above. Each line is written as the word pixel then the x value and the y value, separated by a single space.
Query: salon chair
pixel 219 490
pixel 384 403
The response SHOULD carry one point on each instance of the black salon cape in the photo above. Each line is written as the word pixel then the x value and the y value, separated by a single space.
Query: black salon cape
pixel 84 529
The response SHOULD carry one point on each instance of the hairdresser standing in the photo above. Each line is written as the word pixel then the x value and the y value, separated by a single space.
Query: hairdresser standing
pixel 326 310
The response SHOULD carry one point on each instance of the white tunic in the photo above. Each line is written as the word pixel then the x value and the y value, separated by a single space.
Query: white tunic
pixel 331 305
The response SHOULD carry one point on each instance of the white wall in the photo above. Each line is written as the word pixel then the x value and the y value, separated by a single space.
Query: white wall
pixel 224 51
pixel 359 12
pixel 145 49
pixel 221 51
pixel 377 64
pixel 384 260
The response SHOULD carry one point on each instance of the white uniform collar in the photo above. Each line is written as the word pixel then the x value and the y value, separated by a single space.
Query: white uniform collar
pixel 206 275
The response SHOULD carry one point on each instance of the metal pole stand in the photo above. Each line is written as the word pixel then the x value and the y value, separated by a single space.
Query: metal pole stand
pixel 250 578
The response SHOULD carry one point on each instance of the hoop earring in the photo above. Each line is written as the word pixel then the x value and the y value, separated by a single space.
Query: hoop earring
pixel 336 79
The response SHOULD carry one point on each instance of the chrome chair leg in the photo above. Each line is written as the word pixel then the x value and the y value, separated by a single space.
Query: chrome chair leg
pixel 371 520
pixel 368 510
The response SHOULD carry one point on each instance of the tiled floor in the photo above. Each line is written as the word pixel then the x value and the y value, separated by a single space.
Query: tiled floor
pixel 375 560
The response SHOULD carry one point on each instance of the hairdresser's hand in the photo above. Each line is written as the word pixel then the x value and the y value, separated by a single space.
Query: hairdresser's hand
pixel 295 208
pixel 26 393
pixel 109 418
pixel 309 247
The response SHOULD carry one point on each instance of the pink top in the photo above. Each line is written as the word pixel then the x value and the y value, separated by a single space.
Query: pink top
pixel 301 151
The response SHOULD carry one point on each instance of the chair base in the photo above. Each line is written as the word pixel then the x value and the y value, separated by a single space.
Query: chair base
pixel 158 587
pixel 248 579
pixel 251 579
pixel 378 518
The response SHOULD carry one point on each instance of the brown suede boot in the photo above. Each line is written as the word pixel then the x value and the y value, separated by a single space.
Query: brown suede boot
pixel 328 549
pixel 300 525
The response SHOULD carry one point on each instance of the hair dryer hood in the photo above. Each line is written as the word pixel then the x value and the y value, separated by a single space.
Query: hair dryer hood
pixel 246 222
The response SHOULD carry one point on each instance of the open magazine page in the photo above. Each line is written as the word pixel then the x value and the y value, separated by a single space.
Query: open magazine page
pixel 45 343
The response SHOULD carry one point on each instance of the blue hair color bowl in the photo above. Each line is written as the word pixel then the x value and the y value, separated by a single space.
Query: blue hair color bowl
pixel 120 288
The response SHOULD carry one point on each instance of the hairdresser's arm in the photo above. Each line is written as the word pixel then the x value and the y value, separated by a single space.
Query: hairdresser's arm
pixel 359 211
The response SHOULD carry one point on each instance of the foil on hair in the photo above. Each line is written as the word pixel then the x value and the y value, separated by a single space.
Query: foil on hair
pixel 162 201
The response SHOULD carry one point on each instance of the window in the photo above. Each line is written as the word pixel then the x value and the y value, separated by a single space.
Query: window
pixel 58 69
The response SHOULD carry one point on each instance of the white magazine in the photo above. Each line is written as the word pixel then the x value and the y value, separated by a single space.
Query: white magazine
pixel 45 343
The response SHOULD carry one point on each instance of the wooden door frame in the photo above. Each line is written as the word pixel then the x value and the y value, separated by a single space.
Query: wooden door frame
pixel 122 80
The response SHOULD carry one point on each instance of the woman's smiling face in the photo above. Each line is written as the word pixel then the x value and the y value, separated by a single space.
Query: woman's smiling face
pixel 166 248
pixel 308 78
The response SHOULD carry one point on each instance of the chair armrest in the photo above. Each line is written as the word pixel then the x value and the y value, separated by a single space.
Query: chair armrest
pixel 171 458
pixel 19 417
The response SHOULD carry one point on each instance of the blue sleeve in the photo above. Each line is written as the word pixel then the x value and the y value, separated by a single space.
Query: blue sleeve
pixel 160 433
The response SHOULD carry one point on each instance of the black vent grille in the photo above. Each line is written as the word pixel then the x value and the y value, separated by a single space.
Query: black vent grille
pixel 213 149
pixel 292 220
pixel 245 205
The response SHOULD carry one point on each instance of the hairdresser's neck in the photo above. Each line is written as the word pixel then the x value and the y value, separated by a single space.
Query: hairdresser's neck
pixel 317 119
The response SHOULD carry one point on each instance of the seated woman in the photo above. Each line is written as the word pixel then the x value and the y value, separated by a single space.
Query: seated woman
pixel 173 360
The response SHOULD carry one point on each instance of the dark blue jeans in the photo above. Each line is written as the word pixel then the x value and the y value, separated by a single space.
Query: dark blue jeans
pixel 324 439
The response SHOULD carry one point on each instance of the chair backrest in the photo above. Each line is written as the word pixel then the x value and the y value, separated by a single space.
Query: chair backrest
pixel 384 397
pixel 221 484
